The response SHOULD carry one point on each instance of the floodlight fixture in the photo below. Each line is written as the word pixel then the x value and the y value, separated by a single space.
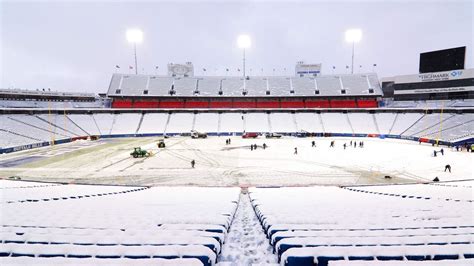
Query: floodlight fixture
pixel 244 42
pixel 353 36
pixel 135 36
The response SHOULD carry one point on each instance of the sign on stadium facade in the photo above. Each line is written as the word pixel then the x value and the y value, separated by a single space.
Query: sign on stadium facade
pixel 181 70
pixel 435 76
pixel 307 70
pixel 435 82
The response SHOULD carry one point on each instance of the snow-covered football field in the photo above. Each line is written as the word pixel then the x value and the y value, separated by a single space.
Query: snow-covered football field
pixel 108 161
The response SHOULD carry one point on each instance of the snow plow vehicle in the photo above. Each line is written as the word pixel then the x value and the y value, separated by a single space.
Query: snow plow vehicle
pixel 273 136
pixel 198 135
pixel 139 153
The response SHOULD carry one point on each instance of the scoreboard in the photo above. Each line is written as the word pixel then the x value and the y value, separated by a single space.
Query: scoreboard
pixel 443 60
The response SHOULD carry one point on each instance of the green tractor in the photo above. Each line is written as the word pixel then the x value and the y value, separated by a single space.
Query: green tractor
pixel 138 152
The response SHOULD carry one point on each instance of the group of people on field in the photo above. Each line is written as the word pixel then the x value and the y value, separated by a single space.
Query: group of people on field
pixel 332 145
pixel 255 146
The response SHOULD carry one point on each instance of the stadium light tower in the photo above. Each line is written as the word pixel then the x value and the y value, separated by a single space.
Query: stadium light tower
pixel 135 36
pixel 243 41
pixel 353 36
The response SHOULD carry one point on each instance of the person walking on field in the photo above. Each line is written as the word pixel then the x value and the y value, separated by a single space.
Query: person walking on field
pixel 296 151
pixel 313 143
pixel 447 167
pixel 345 145
pixel 193 163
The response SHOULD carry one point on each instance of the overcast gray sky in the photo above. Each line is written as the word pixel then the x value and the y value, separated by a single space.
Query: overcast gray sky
pixel 75 45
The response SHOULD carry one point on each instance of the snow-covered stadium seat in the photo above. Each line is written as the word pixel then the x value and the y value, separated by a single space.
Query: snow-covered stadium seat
pixel 363 123
pixel 428 122
pixel 153 123
pixel 279 86
pixel 256 86
pixel 456 127
pixel 206 122
pixel 209 86
pixel 316 225
pixel 42 220
pixel 232 86
pixel 180 123
pixel 310 122
pixel 231 122
pixel 104 122
pixel 303 86
pixel 403 121
pixel 85 122
pixel 159 85
pixel 256 122
pixel 185 86
pixel 282 122
pixel 385 121
pixel 336 123
pixel 328 85
pixel 125 123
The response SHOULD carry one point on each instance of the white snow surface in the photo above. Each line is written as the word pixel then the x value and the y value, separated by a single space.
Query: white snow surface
pixel 217 164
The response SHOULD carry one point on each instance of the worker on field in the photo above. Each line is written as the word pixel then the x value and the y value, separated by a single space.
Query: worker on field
pixel 345 145
pixel 264 146
pixel 447 167
pixel 332 144
pixel 313 143
pixel 434 153
pixel 193 163
pixel 442 151
pixel 296 151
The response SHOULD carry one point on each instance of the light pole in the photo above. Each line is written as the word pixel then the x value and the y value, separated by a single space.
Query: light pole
pixel 353 36
pixel 135 36
pixel 243 41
